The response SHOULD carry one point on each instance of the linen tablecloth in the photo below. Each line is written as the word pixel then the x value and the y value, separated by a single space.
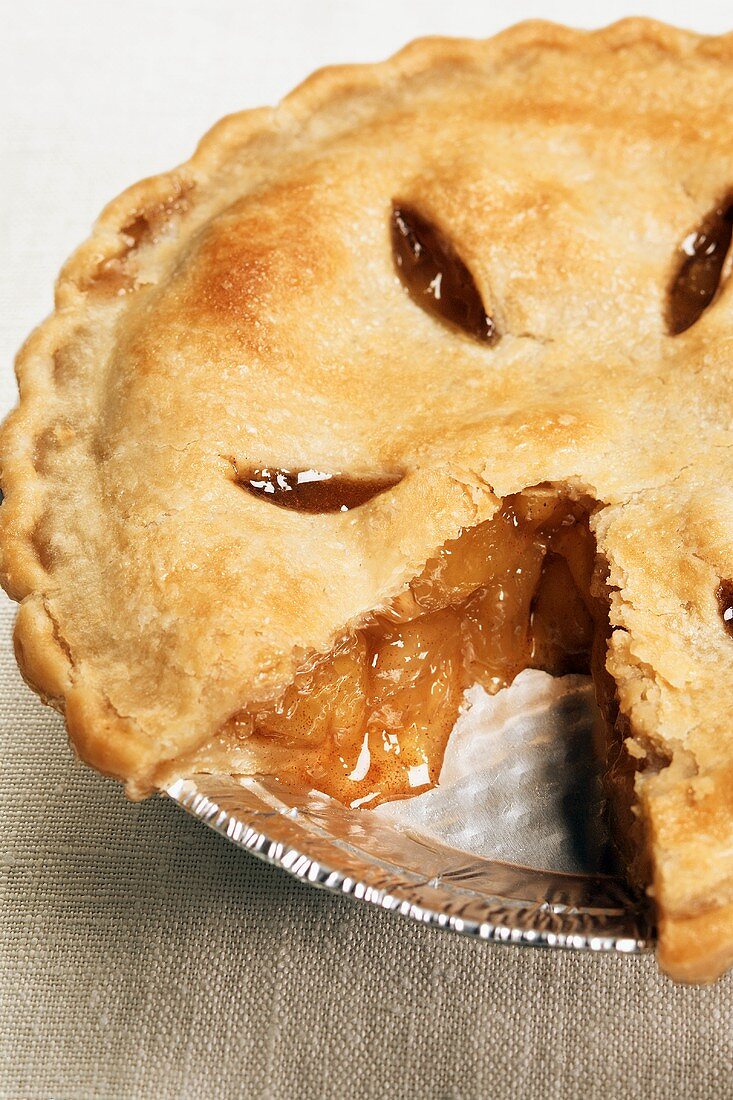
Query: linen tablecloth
pixel 140 954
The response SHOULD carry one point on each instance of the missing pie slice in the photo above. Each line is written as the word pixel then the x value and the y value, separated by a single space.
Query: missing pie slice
pixel 421 378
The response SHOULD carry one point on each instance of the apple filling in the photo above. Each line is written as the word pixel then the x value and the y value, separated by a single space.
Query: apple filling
pixel 370 722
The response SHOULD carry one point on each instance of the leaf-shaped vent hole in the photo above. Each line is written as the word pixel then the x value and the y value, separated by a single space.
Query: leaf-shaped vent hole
pixel 313 490
pixel 436 276
pixel 725 604
pixel 700 270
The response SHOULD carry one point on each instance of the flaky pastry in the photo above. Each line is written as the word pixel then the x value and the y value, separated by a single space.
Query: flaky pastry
pixel 471 306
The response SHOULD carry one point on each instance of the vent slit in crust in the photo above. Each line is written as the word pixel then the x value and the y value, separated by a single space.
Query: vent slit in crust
pixel 699 272
pixel 435 276
pixel 314 491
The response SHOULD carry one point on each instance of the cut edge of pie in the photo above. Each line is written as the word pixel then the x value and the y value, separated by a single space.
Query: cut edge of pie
pixel 696 943
pixel 368 720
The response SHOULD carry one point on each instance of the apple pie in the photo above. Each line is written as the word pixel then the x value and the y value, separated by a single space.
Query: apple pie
pixel 419 379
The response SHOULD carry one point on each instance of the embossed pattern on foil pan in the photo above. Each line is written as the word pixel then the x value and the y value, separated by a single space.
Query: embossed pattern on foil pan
pixel 520 765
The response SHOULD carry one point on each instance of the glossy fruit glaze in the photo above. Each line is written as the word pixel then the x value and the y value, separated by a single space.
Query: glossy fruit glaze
pixel 370 721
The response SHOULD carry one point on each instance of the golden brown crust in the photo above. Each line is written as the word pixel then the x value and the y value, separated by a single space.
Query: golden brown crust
pixel 243 308
pixel 711 934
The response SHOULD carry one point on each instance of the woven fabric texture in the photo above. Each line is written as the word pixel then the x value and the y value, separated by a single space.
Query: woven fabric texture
pixel 144 956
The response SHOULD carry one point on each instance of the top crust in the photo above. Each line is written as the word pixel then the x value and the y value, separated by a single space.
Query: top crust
pixel 243 309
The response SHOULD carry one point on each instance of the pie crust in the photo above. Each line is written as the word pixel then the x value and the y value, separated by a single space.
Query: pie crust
pixel 243 313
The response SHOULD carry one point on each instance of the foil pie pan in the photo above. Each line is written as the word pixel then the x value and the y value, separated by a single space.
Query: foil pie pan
pixel 511 846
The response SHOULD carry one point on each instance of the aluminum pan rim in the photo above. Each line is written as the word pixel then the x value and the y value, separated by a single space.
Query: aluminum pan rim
pixel 496 920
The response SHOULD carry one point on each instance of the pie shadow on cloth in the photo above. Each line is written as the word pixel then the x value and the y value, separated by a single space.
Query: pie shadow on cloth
pixel 142 955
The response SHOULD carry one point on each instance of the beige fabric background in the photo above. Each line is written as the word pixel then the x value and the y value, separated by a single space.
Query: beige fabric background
pixel 140 955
